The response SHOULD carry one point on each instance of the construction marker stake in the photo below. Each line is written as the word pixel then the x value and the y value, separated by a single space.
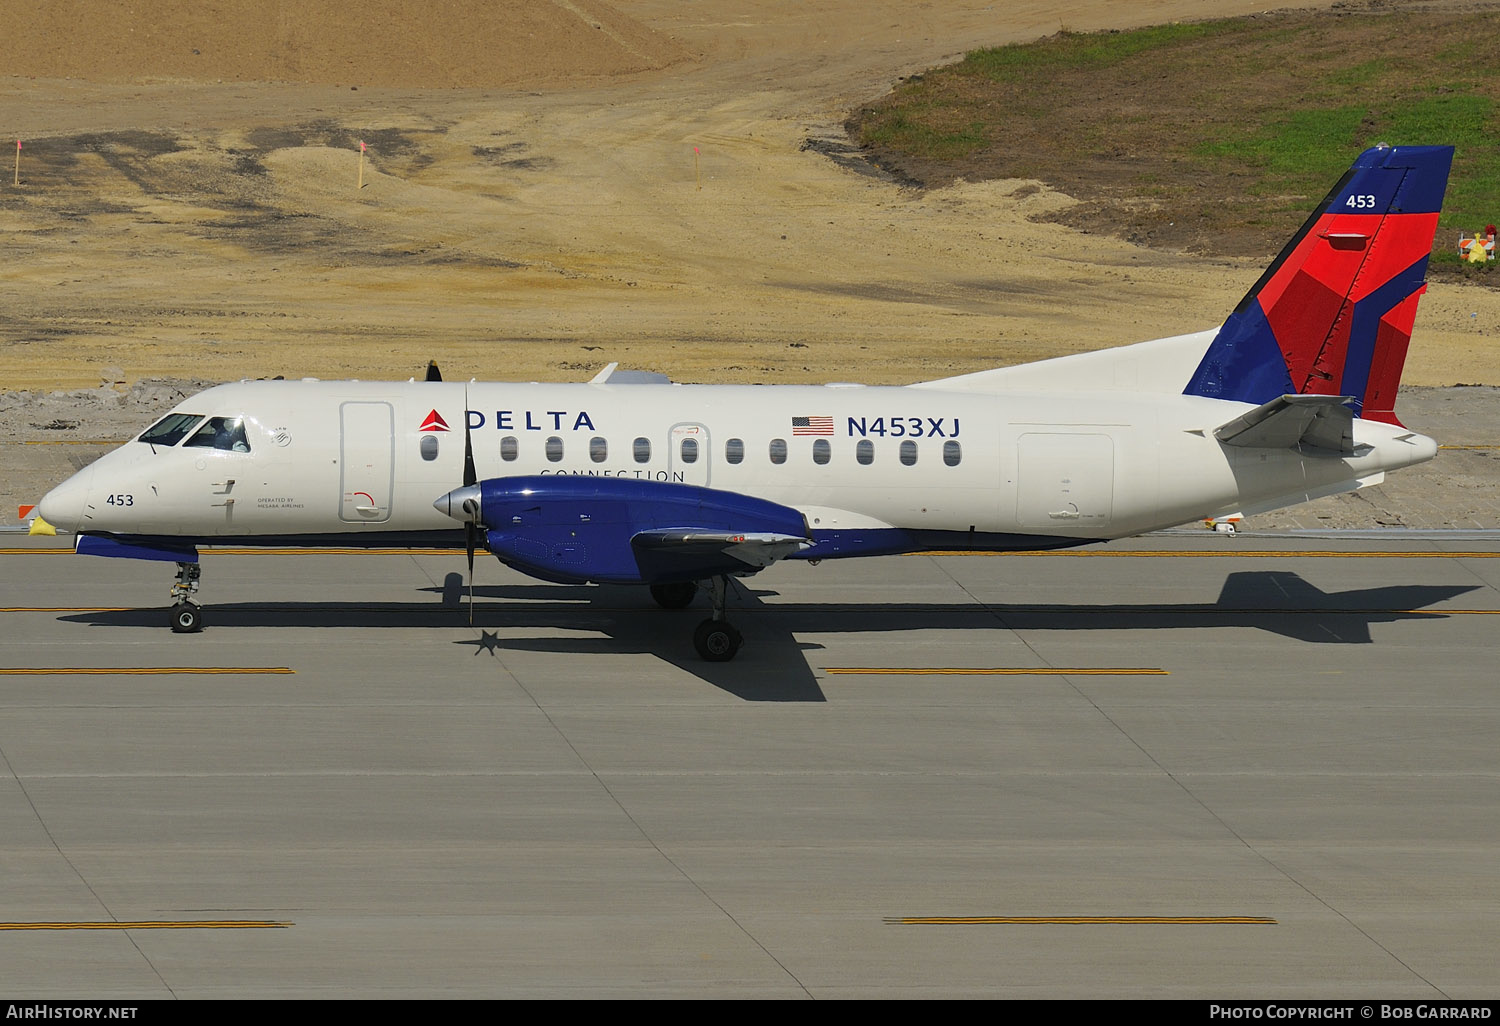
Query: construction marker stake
pixel 696 173
pixel 17 180
pixel 361 164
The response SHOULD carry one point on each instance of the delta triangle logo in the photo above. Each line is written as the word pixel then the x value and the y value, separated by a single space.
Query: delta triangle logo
pixel 434 422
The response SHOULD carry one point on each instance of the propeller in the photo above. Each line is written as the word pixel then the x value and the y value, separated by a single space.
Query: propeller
pixel 470 503
pixel 463 503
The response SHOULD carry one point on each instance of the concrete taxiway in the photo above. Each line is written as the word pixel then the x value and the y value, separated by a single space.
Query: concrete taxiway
pixel 1173 767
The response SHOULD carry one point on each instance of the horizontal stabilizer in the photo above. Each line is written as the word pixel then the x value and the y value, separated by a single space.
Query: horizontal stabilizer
pixel 1289 421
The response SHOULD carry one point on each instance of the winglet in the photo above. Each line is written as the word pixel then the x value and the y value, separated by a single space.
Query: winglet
pixel 1333 314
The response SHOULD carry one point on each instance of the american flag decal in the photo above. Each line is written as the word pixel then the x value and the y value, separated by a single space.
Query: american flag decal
pixel 812 426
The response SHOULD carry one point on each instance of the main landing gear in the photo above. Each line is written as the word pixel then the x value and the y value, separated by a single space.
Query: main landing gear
pixel 715 638
pixel 187 615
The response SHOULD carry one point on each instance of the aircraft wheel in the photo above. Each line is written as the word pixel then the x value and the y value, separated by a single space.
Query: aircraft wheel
pixel 675 595
pixel 717 641
pixel 186 618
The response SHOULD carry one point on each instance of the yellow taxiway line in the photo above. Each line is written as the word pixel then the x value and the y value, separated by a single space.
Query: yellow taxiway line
pixel 1217 554
pixel 231 550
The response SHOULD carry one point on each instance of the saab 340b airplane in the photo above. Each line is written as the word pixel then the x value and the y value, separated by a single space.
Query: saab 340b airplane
pixel 632 479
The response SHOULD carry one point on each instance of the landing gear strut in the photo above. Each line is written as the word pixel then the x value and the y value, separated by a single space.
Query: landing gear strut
pixel 187 615
pixel 716 639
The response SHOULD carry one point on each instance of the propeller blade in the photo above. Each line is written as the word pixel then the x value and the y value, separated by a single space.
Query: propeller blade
pixel 433 374
pixel 471 531
pixel 470 474
pixel 470 534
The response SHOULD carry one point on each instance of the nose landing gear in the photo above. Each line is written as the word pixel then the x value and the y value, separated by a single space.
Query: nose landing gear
pixel 187 615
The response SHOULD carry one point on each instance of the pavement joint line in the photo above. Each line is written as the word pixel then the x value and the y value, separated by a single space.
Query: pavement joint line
pixel 967 607
pixel 1081 920
pixel 166 924
pixel 1004 671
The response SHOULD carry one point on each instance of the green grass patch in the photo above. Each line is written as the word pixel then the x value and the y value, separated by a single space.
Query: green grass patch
pixel 911 134
pixel 1215 135
pixel 1076 51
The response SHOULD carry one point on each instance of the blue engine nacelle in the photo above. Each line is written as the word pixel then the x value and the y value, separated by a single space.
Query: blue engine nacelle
pixel 622 531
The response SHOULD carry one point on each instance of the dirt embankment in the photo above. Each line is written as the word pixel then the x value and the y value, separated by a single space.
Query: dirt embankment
pixel 429 44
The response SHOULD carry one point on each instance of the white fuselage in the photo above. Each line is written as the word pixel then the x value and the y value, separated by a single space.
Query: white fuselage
pixel 336 459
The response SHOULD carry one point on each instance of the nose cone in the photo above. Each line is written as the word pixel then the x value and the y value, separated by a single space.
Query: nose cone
pixel 64 506
pixel 461 504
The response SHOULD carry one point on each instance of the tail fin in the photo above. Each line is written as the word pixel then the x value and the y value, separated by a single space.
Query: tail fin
pixel 1333 314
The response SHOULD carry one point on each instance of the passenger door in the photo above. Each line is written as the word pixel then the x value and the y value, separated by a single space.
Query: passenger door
pixel 366 461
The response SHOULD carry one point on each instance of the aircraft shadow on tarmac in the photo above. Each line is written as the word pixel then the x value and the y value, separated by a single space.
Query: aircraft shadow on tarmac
pixel 773 666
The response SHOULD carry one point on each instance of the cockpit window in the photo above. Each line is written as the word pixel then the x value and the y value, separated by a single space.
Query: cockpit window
pixel 170 429
pixel 227 433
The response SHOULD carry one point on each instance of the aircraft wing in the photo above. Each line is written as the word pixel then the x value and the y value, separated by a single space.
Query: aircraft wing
pixel 1318 421
pixel 613 375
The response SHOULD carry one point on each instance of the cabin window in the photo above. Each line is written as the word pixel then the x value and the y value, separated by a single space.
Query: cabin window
pixel 171 429
pixel 598 449
pixel 510 448
pixel 821 451
pixel 428 447
pixel 225 433
pixel 689 450
pixel 554 449
pixel 952 453
pixel 734 450
pixel 642 449
pixel 864 452
pixel 908 453
pixel 778 451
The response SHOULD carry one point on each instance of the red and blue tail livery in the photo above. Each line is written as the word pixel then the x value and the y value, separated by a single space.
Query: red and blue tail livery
pixel 1333 314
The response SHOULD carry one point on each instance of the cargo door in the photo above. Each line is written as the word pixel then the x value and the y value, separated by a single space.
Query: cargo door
pixel 1065 482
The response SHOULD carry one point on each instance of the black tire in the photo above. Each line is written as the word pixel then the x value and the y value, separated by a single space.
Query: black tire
pixel 676 595
pixel 717 641
pixel 186 618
